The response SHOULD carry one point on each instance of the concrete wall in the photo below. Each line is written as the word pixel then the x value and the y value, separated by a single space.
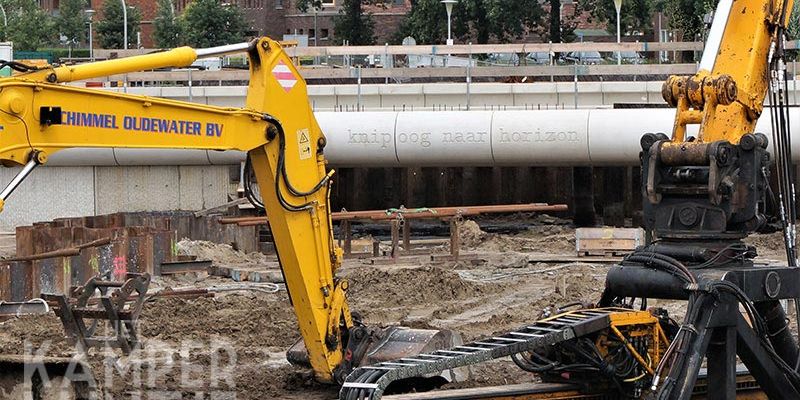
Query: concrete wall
pixel 48 193
pixel 54 192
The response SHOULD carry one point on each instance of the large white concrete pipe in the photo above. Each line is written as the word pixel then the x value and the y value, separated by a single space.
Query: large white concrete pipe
pixel 452 138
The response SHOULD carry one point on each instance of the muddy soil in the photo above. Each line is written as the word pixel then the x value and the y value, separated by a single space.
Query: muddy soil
pixel 233 344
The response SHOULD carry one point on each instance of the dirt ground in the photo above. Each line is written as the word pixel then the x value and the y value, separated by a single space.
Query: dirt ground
pixel 232 345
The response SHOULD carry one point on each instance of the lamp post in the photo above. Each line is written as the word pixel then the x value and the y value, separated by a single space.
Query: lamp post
pixel 448 5
pixel 316 35
pixel 618 6
pixel 124 25
pixel 90 14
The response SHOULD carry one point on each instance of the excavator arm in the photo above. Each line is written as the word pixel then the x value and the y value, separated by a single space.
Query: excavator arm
pixel 40 115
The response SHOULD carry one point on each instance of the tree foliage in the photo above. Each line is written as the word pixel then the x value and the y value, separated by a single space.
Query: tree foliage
pixel 687 15
pixel 166 29
pixel 473 20
pixel 635 15
pixel 110 28
pixel 793 30
pixel 426 22
pixel 208 23
pixel 352 24
pixel 72 21
pixel 29 27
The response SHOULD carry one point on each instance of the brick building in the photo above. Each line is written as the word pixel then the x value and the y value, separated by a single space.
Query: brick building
pixel 275 18
pixel 387 19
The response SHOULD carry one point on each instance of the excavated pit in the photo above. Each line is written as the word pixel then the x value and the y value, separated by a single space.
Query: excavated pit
pixel 232 345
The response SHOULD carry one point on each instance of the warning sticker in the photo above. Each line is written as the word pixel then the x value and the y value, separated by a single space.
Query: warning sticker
pixel 304 144
pixel 284 75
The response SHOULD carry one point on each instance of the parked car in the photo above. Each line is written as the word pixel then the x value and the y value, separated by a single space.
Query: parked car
pixel 629 57
pixel 538 58
pixel 504 59
pixel 584 57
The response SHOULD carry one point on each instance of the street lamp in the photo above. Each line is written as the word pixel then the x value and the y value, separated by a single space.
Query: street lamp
pixel 316 35
pixel 618 6
pixel 124 24
pixel 89 14
pixel 448 5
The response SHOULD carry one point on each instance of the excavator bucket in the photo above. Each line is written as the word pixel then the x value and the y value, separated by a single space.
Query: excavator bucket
pixel 394 343
pixel 399 342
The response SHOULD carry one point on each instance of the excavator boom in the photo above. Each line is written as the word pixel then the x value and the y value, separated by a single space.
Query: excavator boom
pixel 39 116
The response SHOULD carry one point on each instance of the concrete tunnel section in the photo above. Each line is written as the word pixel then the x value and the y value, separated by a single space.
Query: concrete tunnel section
pixel 596 137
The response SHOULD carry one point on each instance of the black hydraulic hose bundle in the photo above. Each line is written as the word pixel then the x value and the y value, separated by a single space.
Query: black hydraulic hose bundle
pixel 17 66
pixel 782 145
pixel 782 142
pixel 700 295
pixel 252 195
pixel 251 192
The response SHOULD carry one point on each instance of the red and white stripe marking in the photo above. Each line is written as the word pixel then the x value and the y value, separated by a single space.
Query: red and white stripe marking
pixel 284 75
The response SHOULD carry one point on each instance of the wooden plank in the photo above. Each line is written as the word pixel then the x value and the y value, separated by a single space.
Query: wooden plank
pixel 183 267
pixel 600 241
pixel 568 259
pixel 221 207
pixel 421 73
pixel 248 274
pixel 323 51
pixel 518 391
pixel 465 49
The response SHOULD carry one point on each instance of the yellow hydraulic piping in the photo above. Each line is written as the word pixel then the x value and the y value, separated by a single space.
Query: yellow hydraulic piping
pixel 178 57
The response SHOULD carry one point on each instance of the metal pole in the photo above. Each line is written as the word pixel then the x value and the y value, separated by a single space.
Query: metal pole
pixel 619 37
pixel 124 24
pixel 26 170
pixel 91 44
pixel 449 28
pixel 469 75
pixel 576 87
pixel 190 85
pixel 358 99
pixel 448 4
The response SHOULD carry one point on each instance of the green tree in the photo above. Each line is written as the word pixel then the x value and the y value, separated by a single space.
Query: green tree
pixel 110 28
pixel 687 15
pixel 72 21
pixel 559 27
pixel 207 23
pixel 793 30
pixel 29 27
pixel 166 29
pixel 352 24
pixel 426 22
pixel 635 14
pixel 473 20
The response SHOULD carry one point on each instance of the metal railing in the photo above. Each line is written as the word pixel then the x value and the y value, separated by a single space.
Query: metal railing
pixel 336 63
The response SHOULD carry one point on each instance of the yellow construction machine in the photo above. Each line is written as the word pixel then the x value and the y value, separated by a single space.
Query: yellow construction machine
pixel 40 115
pixel 703 194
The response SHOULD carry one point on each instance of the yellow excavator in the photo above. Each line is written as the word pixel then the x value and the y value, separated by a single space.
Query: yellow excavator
pixel 702 196
pixel 40 115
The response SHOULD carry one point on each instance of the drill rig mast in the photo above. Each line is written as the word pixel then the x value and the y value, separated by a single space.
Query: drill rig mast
pixel 702 196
